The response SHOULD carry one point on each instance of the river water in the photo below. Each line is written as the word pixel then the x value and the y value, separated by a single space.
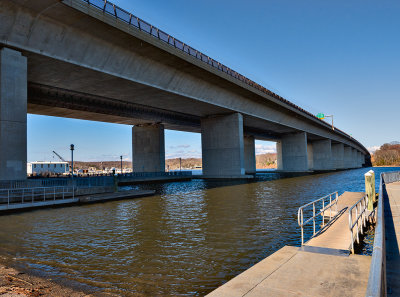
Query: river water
pixel 186 241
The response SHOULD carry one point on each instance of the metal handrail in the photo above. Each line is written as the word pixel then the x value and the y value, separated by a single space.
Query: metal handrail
pixel 376 286
pixel 360 208
pixel 28 195
pixel 300 212
pixel 108 7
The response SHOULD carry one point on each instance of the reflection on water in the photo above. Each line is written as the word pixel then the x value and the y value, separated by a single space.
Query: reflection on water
pixel 187 240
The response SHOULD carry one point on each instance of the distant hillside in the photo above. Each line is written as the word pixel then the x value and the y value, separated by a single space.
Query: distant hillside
pixel 266 161
pixel 101 165
pixel 262 161
pixel 387 155
pixel 189 163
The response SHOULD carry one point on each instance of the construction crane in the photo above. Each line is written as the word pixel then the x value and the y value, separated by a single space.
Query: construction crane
pixel 61 158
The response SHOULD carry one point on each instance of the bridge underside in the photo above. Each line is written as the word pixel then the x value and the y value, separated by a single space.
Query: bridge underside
pixel 80 67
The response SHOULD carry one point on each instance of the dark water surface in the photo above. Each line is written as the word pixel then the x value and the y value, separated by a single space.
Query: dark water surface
pixel 187 240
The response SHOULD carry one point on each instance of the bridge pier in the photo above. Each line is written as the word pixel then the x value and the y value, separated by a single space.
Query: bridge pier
pixel 13 111
pixel 354 158
pixel 249 155
pixel 347 157
pixel 148 148
pixel 222 144
pixel 359 159
pixel 322 154
pixel 292 152
pixel 338 156
pixel 310 156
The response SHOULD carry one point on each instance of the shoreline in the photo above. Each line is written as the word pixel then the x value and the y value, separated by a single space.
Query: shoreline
pixel 24 283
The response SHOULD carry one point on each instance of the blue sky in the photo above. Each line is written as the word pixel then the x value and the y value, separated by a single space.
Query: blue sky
pixel 335 57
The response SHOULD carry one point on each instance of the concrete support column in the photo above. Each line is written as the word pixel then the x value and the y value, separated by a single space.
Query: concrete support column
pixel 222 146
pixel 347 157
pixel 292 152
pixel 338 156
pixel 148 149
pixel 310 155
pixel 362 159
pixel 354 158
pixel 359 159
pixel 249 155
pixel 322 154
pixel 13 110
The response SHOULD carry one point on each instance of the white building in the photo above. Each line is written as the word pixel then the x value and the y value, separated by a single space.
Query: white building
pixel 39 167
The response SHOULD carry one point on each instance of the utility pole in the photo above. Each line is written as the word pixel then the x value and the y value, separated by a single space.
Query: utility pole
pixel 72 160
pixel 121 163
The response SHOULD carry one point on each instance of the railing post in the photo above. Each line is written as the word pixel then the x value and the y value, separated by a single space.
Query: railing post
pixel 323 212
pixel 313 217
pixel 8 198
pixel 302 231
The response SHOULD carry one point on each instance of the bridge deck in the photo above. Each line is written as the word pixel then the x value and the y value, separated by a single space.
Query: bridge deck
pixel 336 235
pixel 392 234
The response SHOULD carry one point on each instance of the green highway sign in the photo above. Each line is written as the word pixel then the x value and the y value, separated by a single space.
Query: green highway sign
pixel 321 116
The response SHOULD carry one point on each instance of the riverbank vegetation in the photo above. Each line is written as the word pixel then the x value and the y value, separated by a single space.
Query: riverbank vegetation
pixel 387 155
pixel 267 160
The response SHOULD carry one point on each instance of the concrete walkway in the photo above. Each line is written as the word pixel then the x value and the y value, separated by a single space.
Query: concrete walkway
pixel 293 272
pixel 392 234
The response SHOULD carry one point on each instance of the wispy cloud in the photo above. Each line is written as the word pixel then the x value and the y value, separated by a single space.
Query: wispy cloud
pixel 263 149
pixel 184 146
pixel 372 149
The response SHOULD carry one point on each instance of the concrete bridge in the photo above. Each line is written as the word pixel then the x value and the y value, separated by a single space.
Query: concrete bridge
pixel 91 60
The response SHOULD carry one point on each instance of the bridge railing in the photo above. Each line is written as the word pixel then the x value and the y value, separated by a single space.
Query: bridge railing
pixel 360 221
pixel 154 174
pixel 377 272
pixel 78 182
pixel 126 17
pixel 10 197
